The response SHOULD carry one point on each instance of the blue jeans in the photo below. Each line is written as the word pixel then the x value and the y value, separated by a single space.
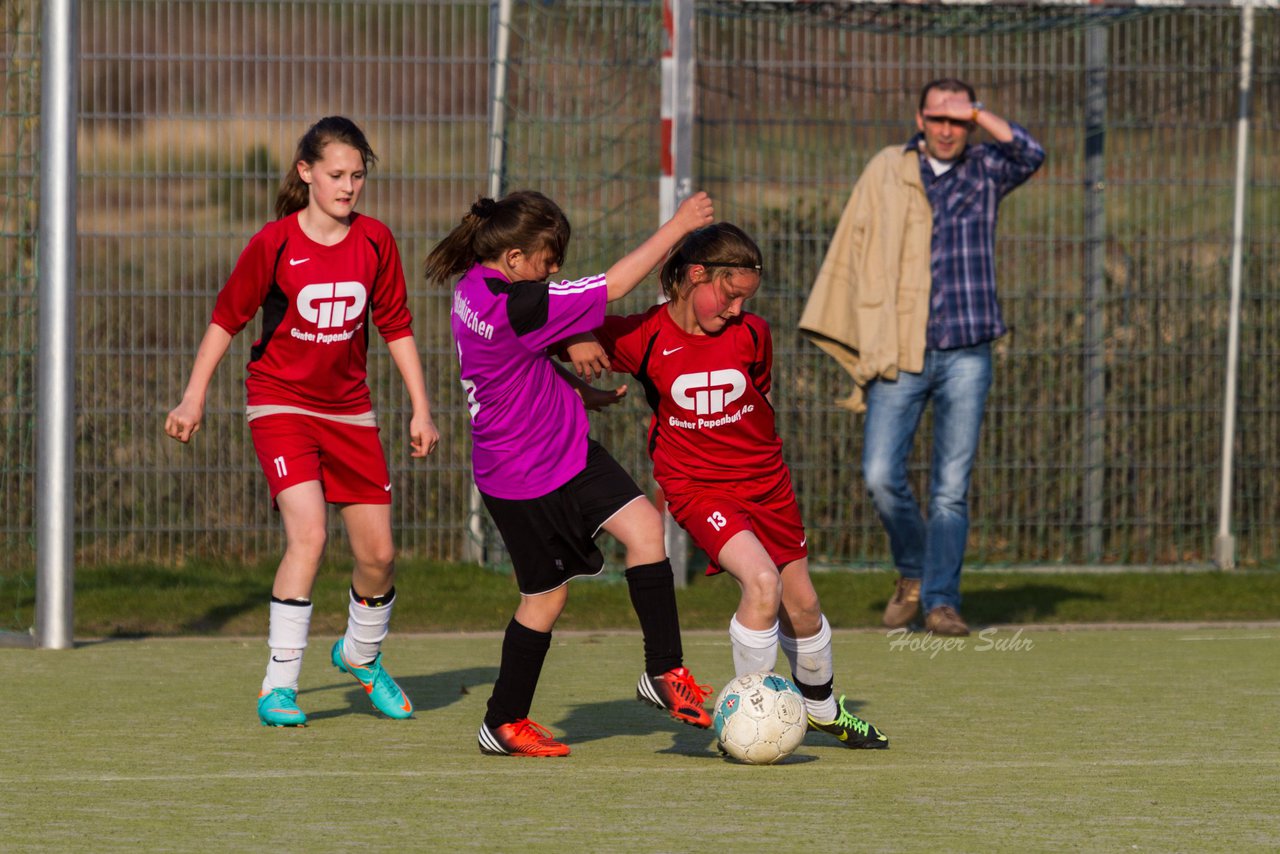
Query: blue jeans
pixel 932 550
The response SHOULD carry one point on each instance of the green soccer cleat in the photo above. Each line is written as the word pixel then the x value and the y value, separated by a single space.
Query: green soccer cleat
pixel 383 691
pixel 279 707
pixel 852 731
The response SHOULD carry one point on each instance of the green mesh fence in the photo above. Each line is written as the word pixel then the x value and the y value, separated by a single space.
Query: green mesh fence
pixel 189 111
pixel 793 99
pixel 19 141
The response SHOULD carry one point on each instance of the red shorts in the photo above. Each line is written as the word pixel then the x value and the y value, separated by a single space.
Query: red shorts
pixel 347 459
pixel 713 516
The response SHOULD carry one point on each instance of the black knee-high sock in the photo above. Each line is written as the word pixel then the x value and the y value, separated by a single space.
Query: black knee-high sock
pixel 653 595
pixel 523 651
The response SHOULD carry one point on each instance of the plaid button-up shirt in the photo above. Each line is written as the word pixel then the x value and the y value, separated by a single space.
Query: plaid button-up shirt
pixel 963 309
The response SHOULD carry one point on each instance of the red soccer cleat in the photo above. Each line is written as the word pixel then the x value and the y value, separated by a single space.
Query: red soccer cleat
pixel 678 693
pixel 520 738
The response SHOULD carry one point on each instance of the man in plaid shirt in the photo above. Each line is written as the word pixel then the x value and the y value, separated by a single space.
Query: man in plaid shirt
pixel 964 184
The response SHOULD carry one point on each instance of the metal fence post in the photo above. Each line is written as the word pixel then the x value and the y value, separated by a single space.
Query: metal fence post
pixel 499 56
pixel 55 401
pixel 1095 229
pixel 1224 544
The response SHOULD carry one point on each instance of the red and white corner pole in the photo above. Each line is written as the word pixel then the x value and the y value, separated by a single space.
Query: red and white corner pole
pixel 675 183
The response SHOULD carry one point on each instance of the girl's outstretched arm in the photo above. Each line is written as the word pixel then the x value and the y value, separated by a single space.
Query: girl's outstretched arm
pixel 693 213
pixel 183 421
pixel 423 435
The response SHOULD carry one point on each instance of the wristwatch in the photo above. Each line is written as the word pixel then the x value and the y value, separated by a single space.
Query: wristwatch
pixel 978 107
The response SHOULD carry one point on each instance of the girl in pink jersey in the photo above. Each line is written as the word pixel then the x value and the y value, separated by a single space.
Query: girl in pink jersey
pixel 549 488
pixel 706 369
pixel 321 274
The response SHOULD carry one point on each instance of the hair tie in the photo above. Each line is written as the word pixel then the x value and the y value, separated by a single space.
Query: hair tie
pixel 484 208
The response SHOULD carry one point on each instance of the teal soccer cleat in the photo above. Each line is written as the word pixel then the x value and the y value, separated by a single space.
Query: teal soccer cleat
pixel 279 707
pixel 383 691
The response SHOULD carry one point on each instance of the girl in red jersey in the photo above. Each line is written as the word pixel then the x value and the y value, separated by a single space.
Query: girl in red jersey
pixel 706 369
pixel 320 273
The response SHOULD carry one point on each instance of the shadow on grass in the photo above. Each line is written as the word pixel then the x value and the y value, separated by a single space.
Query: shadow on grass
pixel 589 722
pixel 1023 603
pixel 216 618
pixel 1026 603
pixel 428 692
pixel 136 601
pixel 595 721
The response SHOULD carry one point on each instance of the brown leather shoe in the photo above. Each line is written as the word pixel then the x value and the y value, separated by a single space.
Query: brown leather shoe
pixel 905 604
pixel 946 621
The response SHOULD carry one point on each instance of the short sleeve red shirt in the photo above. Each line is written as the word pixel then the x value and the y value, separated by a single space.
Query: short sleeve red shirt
pixel 317 303
pixel 712 423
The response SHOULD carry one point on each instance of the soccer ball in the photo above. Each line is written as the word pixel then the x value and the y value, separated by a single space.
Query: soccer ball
pixel 760 718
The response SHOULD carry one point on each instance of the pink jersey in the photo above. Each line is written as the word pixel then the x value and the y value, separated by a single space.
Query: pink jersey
pixel 712 421
pixel 528 425
pixel 317 302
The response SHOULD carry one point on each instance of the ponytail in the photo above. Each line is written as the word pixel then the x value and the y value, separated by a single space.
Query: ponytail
pixel 456 253
pixel 525 220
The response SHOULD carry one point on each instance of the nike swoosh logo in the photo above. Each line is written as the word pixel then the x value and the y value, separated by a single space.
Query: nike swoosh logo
pixel 805 540
pixel 667 352
pixel 386 488
pixel 283 660
pixel 293 262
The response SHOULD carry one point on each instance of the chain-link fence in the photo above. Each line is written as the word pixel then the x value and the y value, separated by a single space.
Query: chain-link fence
pixel 794 100
pixel 19 141
pixel 189 113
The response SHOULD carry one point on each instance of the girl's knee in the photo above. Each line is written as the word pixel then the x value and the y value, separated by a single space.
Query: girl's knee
pixel 640 532
pixel 308 543
pixel 381 559
pixel 803 620
pixel 763 589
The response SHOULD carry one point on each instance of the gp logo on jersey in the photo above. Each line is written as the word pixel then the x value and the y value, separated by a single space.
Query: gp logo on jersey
pixel 331 304
pixel 708 392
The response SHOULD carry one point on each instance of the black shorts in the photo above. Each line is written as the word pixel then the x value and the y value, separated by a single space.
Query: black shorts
pixel 551 539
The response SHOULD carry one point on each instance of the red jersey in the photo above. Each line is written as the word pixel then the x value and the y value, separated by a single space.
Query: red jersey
pixel 316 303
pixel 712 421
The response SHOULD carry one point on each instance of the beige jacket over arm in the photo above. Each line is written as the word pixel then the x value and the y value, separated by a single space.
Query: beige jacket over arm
pixel 870 303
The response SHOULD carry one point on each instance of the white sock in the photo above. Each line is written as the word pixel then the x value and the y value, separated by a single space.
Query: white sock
pixel 287 637
pixel 811 665
pixel 367 627
pixel 752 650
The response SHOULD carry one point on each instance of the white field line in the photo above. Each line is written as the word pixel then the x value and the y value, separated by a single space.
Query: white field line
pixel 704 634
pixel 879 767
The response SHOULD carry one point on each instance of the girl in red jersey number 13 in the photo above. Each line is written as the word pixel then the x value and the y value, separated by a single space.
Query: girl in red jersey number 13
pixel 320 274
pixel 706 368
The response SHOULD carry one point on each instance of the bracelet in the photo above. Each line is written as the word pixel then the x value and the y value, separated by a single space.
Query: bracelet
pixel 977 108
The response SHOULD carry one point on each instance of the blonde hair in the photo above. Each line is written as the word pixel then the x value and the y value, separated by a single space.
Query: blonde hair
pixel 720 244
pixel 294 194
